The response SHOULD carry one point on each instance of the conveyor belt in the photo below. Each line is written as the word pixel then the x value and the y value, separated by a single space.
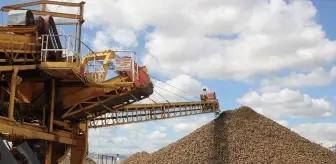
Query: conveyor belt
pixel 150 112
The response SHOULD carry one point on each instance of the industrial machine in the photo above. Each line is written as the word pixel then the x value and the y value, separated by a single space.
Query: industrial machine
pixel 53 87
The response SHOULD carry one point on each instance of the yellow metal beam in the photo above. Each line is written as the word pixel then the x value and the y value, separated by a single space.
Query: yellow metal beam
pixel 93 91
pixel 62 124
pixel 112 86
pixel 52 106
pixel 111 97
pixel 47 13
pixel 43 10
pixel 106 56
pixel 106 62
pixel 78 152
pixel 12 94
pixel 173 104
pixel 149 112
pixel 46 2
pixel 59 65
pixel 72 96
pixel 51 118
pixel 28 131
pixel 25 29
pixel 44 6
pixel 98 56
pixel 82 95
pixel 17 67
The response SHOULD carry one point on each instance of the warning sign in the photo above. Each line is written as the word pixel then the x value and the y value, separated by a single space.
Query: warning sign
pixel 123 64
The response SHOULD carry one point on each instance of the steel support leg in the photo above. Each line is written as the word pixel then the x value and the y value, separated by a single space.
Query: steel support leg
pixel 12 94
pixel 79 151
pixel 2 95
pixel 52 106
pixel 51 119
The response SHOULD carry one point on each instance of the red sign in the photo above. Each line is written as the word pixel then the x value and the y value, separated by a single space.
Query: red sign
pixel 123 64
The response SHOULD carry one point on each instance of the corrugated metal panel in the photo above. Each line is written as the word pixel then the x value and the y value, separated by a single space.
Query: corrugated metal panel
pixel 20 17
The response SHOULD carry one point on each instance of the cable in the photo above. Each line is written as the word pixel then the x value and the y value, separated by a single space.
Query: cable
pixel 158 94
pixel 161 96
pixel 172 86
pixel 152 100
pixel 173 93
pixel 169 91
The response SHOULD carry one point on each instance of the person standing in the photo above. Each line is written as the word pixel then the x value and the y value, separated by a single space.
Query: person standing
pixel 117 158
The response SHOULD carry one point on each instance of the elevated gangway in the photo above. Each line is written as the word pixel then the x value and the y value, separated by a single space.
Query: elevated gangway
pixel 135 113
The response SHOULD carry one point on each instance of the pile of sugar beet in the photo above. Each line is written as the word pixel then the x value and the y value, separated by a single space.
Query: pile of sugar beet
pixel 235 137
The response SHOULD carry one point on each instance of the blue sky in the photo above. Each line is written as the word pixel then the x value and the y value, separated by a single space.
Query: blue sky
pixel 280 61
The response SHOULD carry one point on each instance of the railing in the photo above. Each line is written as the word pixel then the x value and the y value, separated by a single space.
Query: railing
pixel 67 50
pixel 95 69
pixel 103 159
pixel 60 31
pixel 133 61
pixel 151 112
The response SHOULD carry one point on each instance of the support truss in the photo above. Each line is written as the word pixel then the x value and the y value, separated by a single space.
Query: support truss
pixel 150 112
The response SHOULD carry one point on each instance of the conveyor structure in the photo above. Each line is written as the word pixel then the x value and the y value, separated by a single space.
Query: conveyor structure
pixel 53 87
pixel 150 112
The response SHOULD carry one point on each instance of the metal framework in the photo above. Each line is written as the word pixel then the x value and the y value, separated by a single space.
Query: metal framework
pixel 43 12
pixel 150 112
pixel 18 48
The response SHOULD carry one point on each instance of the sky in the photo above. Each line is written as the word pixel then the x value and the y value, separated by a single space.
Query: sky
pixel 275 56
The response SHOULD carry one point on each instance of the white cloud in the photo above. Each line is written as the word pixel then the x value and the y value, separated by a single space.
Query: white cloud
pixel 100 42
pixel 162 128
pixel 287 103
pixel 125 139
pixel 182 127
pixel 218 39
pixel 156 134
pixel 187 125
pixel 318 77
pixel 122 38
pixel 323 133
pixel 261 44
pixel 125 37
pixel 179 88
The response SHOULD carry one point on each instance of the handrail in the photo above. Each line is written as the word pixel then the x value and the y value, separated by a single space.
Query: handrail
pixel 94 68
